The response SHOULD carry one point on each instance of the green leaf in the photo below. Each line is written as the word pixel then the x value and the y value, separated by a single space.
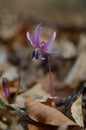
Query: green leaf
pixel 4 106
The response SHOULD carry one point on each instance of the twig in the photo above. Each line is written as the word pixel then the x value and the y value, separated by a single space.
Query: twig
pixel 61 101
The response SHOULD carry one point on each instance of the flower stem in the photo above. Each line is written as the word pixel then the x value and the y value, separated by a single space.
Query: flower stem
pixel 51 83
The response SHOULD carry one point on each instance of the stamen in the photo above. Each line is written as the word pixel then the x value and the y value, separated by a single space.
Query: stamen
pixel 36 54
pixel 33 54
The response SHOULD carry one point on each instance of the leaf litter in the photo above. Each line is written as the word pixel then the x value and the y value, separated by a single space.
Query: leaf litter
pixel 35 112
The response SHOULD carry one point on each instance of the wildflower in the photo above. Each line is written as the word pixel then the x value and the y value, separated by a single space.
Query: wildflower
pixel 6 88
pixel 40 48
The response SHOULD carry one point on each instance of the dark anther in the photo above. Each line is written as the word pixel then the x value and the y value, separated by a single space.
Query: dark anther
pixel 33 54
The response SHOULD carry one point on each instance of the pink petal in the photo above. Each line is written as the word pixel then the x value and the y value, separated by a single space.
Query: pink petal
pixel 36 36
pixel 28 37
pixel 47 44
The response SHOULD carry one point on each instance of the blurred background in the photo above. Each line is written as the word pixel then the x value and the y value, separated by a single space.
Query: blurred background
pixel 67 18
pixel 69 11
pixel 26 77
pixel 50 9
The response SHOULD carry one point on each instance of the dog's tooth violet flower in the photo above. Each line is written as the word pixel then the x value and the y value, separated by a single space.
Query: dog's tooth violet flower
pixel 40 48
pixel 6 88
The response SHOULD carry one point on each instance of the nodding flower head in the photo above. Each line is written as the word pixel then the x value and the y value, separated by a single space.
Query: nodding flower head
pixel 40 48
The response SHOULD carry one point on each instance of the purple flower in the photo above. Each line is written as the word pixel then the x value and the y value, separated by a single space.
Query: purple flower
pixel 41 48
pixel 6 88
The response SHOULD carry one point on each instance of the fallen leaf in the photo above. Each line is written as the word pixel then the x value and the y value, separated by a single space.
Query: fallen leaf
pixel 63 126
pixel 41 127
pixel 3 126
pixel 35 92
pixel 44 114
pixel 47 100
pixel 11 74
pixel 76 111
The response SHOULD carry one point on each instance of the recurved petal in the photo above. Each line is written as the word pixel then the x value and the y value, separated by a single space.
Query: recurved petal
pixel 28 37
pixel 47 44
pixel 36 35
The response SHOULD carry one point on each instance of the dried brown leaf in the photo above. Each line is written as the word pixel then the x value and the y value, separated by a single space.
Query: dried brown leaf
pixel 41 127
pixel 76 111
pixel 45 114
pixel 47 100
pixel 35 92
